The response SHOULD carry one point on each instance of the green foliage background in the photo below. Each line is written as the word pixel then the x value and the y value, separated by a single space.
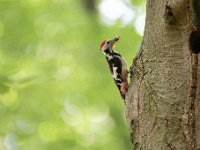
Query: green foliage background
pixel 56 91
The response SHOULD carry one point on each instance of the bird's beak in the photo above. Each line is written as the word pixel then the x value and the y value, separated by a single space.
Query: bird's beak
pixel 116 39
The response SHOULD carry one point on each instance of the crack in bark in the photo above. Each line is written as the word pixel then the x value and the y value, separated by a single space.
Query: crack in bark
pixel 171 147
pixel 192 97
pixel 169 15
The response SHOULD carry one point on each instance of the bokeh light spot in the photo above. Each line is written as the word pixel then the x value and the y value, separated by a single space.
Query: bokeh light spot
pixel 111 10
pixel 49 131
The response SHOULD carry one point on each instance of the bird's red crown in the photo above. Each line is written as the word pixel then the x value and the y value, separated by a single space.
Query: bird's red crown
pixel 102 44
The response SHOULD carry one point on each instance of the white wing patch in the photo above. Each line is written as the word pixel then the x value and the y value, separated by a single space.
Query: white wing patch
pixel 115 72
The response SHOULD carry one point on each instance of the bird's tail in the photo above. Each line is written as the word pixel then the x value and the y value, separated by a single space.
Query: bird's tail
pixel 123 89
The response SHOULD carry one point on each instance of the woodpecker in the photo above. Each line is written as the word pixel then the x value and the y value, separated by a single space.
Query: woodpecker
pixel 116 64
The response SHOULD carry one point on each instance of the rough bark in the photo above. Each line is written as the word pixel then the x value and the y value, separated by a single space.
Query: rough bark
pixel 162 104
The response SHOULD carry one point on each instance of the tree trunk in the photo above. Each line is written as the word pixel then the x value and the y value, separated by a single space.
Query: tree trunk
pixel 162 104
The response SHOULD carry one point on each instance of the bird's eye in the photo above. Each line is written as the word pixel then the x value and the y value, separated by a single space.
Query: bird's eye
pixel 108 42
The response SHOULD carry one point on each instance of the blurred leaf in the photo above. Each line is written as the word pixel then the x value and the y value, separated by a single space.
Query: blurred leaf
pixel 137 2
pixel 3 88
